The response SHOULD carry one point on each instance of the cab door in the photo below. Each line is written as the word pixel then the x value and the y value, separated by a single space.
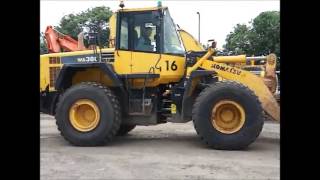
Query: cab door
pixel 145 41
pixel 122 63
pixel 151 57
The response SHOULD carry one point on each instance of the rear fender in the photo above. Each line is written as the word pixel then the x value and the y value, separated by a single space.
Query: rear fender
pixel 64 79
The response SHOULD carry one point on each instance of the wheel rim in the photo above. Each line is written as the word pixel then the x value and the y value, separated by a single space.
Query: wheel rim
pixel 227 116
pixel 84 115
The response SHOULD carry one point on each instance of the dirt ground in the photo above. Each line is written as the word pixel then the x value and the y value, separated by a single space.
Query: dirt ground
pixel 167 151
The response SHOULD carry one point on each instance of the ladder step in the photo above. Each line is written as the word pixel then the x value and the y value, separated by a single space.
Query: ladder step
pixel 166 100
pixel 166 109
pixel 137 114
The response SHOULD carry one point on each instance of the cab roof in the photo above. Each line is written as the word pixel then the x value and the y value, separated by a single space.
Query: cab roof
pixel 141 9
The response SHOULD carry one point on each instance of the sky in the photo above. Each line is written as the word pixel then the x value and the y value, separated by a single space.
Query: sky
pixel 217 17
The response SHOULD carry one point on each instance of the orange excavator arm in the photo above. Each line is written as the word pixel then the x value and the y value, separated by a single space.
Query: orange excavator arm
pixel 57 41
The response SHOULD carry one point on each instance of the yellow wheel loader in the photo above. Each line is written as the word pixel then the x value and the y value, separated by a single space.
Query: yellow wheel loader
pixel 147 77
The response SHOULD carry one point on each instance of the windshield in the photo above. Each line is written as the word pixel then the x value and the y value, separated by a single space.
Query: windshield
pixel 172 43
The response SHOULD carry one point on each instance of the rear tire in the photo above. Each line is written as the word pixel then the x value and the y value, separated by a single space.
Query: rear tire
pixel 250 115
pixel 125 129
pixel 107 122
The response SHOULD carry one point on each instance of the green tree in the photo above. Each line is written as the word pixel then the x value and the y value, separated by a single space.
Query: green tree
pixel 266 33
pixel 72 24
pixel 238 41
pixel 261 38
pixel 43 46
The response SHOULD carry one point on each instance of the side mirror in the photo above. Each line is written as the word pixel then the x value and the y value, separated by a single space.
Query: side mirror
pixel 213 44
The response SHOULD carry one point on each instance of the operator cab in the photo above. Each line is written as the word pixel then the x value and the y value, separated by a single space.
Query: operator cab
pixel 148 30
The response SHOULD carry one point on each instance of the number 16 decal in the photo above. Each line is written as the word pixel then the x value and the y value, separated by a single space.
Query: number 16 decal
pixel 173 66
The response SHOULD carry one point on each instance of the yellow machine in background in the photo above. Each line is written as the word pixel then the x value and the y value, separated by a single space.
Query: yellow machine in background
pixel 152 74
pixel 266 71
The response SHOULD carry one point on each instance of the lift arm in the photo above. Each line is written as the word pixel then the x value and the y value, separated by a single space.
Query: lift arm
pixel 255 83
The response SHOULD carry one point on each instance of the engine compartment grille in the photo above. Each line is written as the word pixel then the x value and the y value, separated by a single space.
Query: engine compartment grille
pixel 53 74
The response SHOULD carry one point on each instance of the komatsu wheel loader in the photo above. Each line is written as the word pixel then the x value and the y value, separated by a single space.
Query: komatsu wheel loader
pixel 147 77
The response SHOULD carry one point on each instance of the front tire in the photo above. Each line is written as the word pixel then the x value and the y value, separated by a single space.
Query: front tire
pixel 88 114
pixel 228 116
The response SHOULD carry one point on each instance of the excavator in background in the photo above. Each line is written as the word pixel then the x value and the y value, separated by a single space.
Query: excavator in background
pixel 57 41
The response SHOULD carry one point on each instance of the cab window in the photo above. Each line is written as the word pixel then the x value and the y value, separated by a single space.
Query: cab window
pixel 144 32
pixel 124 35
pixel 172 43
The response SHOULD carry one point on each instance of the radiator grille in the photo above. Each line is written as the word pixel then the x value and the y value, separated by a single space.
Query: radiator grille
pixel 107 57
pixel 54 60
pixel 54 71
